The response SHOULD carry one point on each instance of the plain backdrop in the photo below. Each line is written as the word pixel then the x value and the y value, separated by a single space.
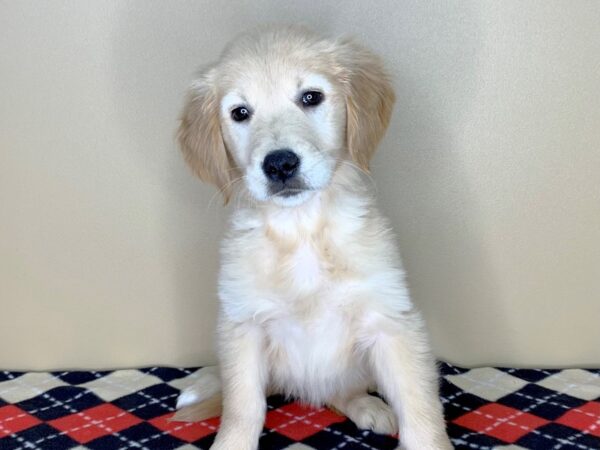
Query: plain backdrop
pixel 490 173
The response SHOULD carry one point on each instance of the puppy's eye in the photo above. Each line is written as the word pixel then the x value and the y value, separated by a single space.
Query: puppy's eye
pixel 240 114
pixel 312 98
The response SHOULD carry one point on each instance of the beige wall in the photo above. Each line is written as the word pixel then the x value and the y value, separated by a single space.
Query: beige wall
pixel 490 172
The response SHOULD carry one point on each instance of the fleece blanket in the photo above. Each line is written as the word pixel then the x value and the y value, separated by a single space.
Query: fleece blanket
pixel 485 408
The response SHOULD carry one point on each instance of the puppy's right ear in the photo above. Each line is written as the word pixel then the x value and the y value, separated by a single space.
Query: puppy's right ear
pixel 200 135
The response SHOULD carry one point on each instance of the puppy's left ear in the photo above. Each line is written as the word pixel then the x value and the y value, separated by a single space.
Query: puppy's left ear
pixel 369 100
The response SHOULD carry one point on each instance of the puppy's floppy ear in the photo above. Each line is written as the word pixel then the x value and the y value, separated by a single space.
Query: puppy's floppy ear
pixel 200 135
pixel 369 100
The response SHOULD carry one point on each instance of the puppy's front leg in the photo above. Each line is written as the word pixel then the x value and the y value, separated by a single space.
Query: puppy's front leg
pixel 243 376
pixel 407 377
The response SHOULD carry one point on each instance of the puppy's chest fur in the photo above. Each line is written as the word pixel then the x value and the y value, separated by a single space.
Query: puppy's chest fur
pixel 301 286
pixel 298 260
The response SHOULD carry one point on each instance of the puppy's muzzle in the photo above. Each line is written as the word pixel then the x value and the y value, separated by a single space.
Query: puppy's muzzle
pixel 282 167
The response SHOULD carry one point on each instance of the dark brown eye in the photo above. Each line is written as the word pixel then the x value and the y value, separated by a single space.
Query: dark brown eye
pixel 312 98
pixel 240 114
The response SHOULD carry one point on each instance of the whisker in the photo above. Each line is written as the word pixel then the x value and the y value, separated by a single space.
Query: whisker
pixel 361 171
pixel 241 195
pixel 222 190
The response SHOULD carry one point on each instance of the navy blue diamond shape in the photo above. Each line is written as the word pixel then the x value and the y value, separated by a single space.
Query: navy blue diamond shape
pixel 5 375
pixel 44 437
pixel 552 434
pixel 80 377
pixel 146 405
pixel 324 439
pixel 463 438
pixel 10 442
pixel 457 402
pixel 277 401
pixel 378 441
pixel 530 375
pixel 273 441
pixel 449 369
pixel 60 401
pixel 151 437
pixel 106 442
pixel 449 389
pixel 167 374
pixel 586 440
pixel 530 398
pixel 205 442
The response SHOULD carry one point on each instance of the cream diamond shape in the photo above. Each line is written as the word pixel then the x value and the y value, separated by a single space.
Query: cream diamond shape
pixel 120 383
pixel 574 382
pixel 487 383
pixel 28 386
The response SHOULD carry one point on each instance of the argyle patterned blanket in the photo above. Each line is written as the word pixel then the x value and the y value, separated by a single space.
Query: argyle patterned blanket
pixel 485 408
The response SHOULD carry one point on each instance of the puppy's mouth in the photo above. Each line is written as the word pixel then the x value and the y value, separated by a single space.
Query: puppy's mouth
pixel 289 192
pixel 288 188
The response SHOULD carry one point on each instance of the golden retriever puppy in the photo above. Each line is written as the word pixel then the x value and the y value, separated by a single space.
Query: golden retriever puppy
pixel 313 302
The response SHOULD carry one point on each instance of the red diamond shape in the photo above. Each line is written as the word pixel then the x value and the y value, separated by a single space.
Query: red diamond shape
pixel 95 422
pixel 13 420
pixel 298 422
pixel 502 422
pixel 186 431
pixel 585 418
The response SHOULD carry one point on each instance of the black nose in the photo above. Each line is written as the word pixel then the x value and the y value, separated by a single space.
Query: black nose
pixel 281 165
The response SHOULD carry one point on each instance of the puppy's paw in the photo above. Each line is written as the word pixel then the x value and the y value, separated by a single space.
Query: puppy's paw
pixel 206 385
pixel 189 396
pixel 371 413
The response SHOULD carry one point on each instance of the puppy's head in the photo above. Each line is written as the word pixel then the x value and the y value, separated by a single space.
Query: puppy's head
pixel 281 110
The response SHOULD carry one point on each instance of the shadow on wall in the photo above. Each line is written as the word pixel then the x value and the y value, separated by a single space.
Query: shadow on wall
pixel 425 188
pixel 417 169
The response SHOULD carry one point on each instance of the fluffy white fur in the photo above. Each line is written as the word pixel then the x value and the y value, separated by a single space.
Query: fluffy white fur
pixel 313 299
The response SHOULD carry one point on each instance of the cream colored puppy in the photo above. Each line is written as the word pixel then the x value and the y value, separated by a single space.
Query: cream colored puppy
pixel 313 299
